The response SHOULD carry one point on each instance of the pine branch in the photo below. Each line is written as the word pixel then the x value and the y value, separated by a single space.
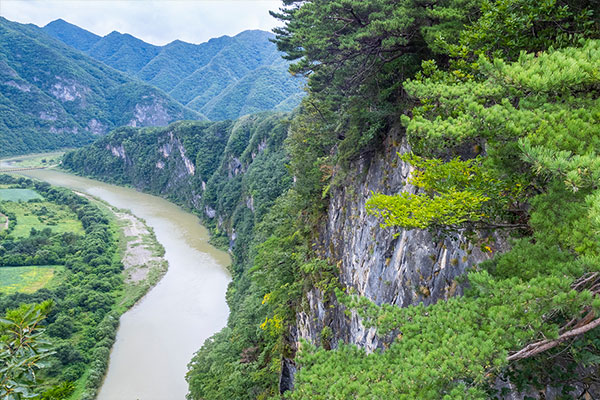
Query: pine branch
pixel 544 345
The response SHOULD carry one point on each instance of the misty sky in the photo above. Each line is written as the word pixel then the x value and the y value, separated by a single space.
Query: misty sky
pixel 156 22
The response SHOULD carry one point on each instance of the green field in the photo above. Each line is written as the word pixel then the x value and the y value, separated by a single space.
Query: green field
pixel 42 215
pixel 26 279
pixel 19 194
pixel 34 160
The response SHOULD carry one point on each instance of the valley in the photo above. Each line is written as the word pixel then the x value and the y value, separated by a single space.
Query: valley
pixel 187 305
pixel 417 216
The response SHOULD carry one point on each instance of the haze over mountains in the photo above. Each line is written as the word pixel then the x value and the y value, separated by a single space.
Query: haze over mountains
pixel 223 78
pixel 53 96
pixel 61 86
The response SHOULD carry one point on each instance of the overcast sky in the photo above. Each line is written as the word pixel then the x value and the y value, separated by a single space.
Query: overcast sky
pixel 156 22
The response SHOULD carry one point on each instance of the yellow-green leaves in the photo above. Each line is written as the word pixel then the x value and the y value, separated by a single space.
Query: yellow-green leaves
pixel 421 211
pixel 449 195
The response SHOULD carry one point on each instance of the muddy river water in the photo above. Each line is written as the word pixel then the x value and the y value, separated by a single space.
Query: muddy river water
pixel 158 336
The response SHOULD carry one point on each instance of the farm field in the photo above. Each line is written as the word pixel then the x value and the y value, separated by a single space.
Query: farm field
pixel 26 279
pixel 41 215
pixel 8 194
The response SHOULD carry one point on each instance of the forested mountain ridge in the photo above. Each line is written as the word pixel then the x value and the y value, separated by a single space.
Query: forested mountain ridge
pixel 439 240
pixel 219 169
pixel 202 76
pixel 53 96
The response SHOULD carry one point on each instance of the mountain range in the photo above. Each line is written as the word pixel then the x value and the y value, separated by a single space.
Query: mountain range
pixel 62 86
pixel 223 78
pixel 53 96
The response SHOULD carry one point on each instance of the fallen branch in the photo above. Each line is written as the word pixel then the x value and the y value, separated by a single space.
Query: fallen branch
pixel 585 280
pixel 543 345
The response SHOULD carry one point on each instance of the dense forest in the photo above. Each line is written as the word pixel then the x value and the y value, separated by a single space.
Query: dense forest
pixel 53 96
pixel 224 78
pixel 497 104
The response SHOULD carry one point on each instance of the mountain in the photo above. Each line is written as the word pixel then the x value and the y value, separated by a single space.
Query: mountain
pixel 212 78
pixel 123 52
pixel 439 236
pixel 72 34
pixel 53 96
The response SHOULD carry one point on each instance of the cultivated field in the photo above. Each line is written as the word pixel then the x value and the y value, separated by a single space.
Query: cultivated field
pixel 33 160
pixel 42 215
pixel 18 194
pixel 26 279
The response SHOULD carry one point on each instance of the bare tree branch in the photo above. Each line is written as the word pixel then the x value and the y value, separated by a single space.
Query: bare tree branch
pixel 543 345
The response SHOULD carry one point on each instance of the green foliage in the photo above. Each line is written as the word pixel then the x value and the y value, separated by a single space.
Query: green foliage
pixel 459 347
pixel 309 143
pixel 537 97
pixel 453 349
pixel 22 350
pixel 82 325
pixel 59 392
pixel 224 78
pixel 357 54
pixel 507 27
pixel 243 360
pixel 55 97
pixel 453 193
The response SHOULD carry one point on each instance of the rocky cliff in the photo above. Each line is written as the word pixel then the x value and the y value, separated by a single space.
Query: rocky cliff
pixel 212 168
pixel 395 266
pixel 220 170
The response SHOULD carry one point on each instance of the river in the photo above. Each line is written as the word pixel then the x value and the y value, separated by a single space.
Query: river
pixel 159 335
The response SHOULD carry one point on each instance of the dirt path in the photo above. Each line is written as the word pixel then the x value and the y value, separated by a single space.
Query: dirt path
pixel 5 222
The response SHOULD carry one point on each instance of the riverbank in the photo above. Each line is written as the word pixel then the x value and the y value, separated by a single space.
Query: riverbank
pixel 143 262
pixel 143 257
pixel 158 336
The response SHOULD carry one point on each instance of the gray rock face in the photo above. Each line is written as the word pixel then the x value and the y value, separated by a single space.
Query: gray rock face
pixel 118 151
pixel 44 116
pixel 96 127
pixel 234 167
pixel 69 90
pixel 22 86
pixel 395 266
pixel 153 113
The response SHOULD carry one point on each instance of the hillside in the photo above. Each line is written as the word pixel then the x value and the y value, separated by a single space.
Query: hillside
pixel 53 96
pixel 211 78
pixel 439 239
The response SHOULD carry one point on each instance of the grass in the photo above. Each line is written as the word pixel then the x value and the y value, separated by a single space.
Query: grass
pixel 19 194
pixel 34 160
pixel 26 279
pixel 40 215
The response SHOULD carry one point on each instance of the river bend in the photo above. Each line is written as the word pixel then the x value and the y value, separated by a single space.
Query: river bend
pixel 158 336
